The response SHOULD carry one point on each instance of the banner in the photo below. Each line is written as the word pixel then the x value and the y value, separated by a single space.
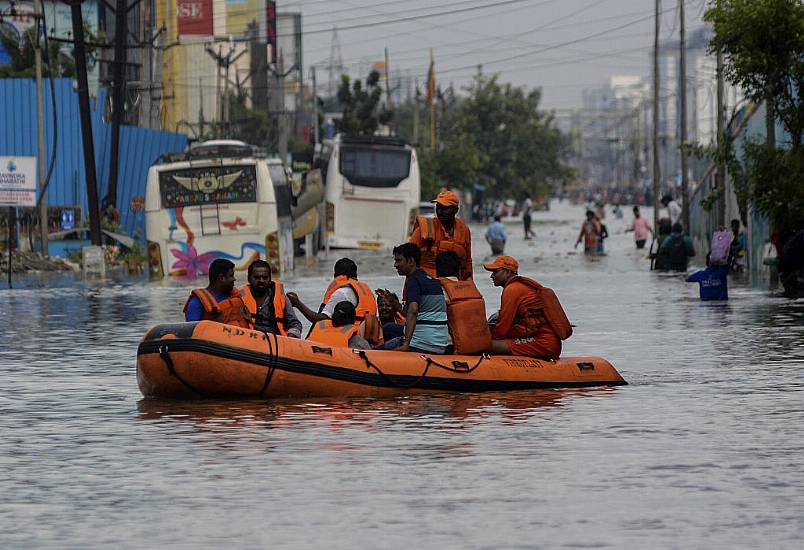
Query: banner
pixel 244 17
pixel 194 17
pixel 17 181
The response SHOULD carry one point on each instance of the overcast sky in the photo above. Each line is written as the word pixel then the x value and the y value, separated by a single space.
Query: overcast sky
pixel 562 46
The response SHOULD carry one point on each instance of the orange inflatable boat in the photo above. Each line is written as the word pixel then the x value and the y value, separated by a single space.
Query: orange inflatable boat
pixel 207 359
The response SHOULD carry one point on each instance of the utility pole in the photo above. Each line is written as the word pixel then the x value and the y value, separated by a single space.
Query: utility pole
pixel 388 103
pixel 416 114
pixel 283 124
pixel 40 116
pixel 315 109
pixel 682 83
pixel 86 122
pixel 656 164
pixel 218 87
pixel 720 175
pixel 120 32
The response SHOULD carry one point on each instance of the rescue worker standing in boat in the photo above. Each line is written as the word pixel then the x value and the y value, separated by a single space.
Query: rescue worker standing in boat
pixel 219 301
pixel 531 321
pixel 443 233
pixel 346 287
pixel 266 303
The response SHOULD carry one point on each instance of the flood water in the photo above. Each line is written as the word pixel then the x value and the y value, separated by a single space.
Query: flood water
pixel 704 448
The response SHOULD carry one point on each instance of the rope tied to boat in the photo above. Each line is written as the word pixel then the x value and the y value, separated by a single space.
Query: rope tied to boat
pixel 164 353
pixel 273 361
pixel 429 361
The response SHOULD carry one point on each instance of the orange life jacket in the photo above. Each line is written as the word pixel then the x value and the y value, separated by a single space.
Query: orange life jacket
pixel 325 333
pixel 365 310
pixel 460 243
pixel 552 313
pixel 230 311
pixel 466 317
pixel 279 305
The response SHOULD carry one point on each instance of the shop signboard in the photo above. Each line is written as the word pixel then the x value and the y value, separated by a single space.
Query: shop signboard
pixel 17 181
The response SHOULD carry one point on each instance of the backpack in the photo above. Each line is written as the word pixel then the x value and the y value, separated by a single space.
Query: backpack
pixel 719 248
pixel 676 253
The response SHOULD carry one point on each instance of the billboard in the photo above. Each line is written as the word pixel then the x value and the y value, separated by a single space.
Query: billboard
pixel 194 17
pixel 17 181
pixel 243 17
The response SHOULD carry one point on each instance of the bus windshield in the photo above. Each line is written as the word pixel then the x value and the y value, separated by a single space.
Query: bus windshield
pixel 374 166
pixel 208 185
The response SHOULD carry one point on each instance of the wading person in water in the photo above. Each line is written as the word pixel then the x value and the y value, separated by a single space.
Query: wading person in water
pixel 443 233
pixel 590 234
pixel 265 300
pixel 641 229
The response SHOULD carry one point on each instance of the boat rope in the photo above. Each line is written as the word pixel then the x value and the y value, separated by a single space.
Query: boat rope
pixel 273 360
pixel 458 366
pixel 165 355
pixel 462 367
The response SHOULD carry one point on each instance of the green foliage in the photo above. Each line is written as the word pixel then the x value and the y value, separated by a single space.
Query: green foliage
pixel 455 165
pixel 249 125
pixel 359 103
pixel 762 42
pixel 21 50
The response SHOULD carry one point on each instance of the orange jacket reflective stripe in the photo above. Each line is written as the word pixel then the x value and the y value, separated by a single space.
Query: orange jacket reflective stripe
pixel 279 305
pixel 325 332
pixel 230 311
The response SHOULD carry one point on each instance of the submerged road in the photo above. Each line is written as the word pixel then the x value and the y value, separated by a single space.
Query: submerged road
pixel 703 449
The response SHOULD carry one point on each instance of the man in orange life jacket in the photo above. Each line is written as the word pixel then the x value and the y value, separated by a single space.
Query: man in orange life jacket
pixel 466 309
pixel 345 287
pixel 219 301
pixel 443 233
pixel 341 331
pixel 265 300
pixel 531 322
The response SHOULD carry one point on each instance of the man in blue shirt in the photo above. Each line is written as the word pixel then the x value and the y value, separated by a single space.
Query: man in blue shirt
pixel 425 307
pixel 221 288
pixel 496 237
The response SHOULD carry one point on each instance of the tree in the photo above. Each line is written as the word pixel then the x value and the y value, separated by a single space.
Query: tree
pixel 762 42
pixel 21 50
pixel 360 114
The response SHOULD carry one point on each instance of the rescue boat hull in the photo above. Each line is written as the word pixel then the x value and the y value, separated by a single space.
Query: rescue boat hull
pixel 206 359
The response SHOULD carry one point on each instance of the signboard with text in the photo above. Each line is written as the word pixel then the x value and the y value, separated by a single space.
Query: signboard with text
pixel 194 17
pixel 17 181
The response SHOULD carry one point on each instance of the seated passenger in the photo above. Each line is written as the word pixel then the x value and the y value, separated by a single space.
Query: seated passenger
pixel 466 310
pixel 265 300
pixel 425 308
pixel 531 321
pixel 345 288
pixel 390 312
pixel 219 301
pixel 341 331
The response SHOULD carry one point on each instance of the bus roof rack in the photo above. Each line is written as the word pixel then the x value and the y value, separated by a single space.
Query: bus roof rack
pixel 374 140
pixel 216 149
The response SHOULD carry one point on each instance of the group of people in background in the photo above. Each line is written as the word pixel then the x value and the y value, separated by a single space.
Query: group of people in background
pixel 441 311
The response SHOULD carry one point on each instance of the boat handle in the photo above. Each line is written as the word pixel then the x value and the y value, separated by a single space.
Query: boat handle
pixel 586 366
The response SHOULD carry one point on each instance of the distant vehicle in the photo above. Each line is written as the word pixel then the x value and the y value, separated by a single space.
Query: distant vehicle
pixel 426 209
pixel 219 199
pixel 371 191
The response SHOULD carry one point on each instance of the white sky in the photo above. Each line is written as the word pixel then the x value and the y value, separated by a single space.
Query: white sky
pixel 535 33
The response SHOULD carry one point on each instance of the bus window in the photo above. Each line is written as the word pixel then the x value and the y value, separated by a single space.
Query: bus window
pixel 281 189
pixel 374 166
pixel 208 185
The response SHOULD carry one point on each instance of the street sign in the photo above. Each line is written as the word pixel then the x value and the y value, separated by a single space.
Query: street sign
pixel 17 181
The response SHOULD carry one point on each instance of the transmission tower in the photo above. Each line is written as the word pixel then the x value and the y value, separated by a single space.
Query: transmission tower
pixel 335 64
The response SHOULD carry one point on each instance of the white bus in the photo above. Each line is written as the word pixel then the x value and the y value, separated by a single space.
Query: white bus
pixel 220 199
pixel 371 189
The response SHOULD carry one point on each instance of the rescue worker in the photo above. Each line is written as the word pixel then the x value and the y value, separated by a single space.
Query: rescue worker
pixel 219 301
pixel 531 321
pixel 466 309
pixel 425 308
pixel 345 287
pixel 443 233
pixel 266 303
pixel 341 331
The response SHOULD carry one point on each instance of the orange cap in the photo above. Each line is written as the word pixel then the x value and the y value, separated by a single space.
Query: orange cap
pixel 506 262
pixel 447 198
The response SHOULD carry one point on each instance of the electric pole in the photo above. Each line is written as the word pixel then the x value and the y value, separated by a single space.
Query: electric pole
pixel 682 83
pixel 86 122
pixel 283 124
pixel 118 94
pixel 656 164
pixel 720 175
pixel 315 109
pixel 388 104
pixel 40 116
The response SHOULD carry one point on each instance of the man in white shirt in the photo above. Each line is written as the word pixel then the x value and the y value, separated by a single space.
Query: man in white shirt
pixel 673 208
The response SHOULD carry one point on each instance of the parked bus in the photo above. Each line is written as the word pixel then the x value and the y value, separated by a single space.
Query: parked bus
pixel 371 190
pixel 219 199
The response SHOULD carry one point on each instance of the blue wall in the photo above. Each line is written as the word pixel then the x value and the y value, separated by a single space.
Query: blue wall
pixel 139 147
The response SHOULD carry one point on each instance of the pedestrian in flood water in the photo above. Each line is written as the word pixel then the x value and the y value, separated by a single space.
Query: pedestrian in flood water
pixel 590 234
pixel 496 237
pixel 675 251
pixel 527 209
pixel 641 228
